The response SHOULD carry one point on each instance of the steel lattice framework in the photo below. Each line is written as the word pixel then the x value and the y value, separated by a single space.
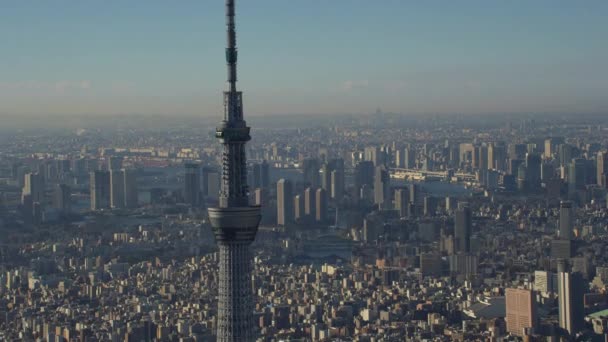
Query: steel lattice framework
pixel 235 222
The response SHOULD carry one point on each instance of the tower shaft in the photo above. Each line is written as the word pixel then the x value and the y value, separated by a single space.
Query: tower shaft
pixel 234 222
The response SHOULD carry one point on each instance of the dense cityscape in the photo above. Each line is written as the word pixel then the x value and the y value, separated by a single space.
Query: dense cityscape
pixel 382 228
pixel 484 224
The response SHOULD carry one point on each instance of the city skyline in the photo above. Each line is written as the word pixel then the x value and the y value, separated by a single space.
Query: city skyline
pixel 306 58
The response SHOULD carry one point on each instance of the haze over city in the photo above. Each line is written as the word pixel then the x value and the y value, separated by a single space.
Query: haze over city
pixel 365 171
pixel 305 57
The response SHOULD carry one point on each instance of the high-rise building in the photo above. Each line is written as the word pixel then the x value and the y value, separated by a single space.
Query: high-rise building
pixel 414 193
pixel 210 186
pixel 399 158
pixel 533 171
pixel 602 168
pixel 462 228
pixel 61 198
pixel 566 153
pixel 374 154
pixel 298 207
pixel 576 175
pixel 381 187
pixel 401 201
pixel 100 190
pixel 130 190
pixel 337 184
pixel 521 310
pixel 310 172
pixel 261 177
pixel 309 203
pixel 430 205
pixel 570 291
pixel 364 174
pixel 566 220
pixel 405 158
pixel 34 187
pixel 235 223
pixel 321 203
pixel 117 189
pixel 497 155
pixel 325 177
pixel 192 185
pixel 284 202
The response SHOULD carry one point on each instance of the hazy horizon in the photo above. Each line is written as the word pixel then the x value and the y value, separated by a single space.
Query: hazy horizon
pixel 311 57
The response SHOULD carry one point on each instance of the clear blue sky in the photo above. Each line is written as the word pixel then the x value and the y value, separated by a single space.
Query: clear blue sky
pixel 304 56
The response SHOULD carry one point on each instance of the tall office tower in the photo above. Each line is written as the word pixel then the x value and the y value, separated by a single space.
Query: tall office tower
pixel 310 171
pixel 374 154
pixel 427 163
pixel 265 174
pixel 576 175
pixel 521 311
pixel 63 167
pixel 49 171
pixel 325 177
pixel 309 203
pixel 130 189
pixel 79 167
pixel 34 187
pixel 114 163
pixel 414 193
pixel 260 198
pixel 364 174
pixel 480 157
pixel 409 158
pixel 100 190
pixel 430 205
pixel 261 177
pixel 399 158
pixel 566 153
pixel 321 203
pixel 462 228
pixel 570 291
pixel 337 184
pixel 517 151
pixel 401 201
pixel 566 220
pixel 117 189
pixel 449 203
pixel 381 187
pixel 548 149
pixel 497 155
pixel 533 172
pixel 522 180
pixel 547 172
pixel 61 198
pixel 298 207
pixel 602 168
pixel 551 146
pixel 256 176
pixel 210 183
pixel 192 185
pixel 235 222
pixel 284 202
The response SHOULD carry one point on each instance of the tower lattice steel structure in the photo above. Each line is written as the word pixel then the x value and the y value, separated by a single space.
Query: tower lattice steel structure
pixel 235 222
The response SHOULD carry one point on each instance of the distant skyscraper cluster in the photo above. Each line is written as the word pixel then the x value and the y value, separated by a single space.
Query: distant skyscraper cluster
pixel 114 188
